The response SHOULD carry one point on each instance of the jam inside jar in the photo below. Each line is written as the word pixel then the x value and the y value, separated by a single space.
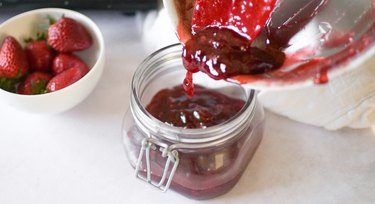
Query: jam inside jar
pixel 199 162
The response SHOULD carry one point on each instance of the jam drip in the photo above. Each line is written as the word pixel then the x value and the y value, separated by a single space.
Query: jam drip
pixel 206 108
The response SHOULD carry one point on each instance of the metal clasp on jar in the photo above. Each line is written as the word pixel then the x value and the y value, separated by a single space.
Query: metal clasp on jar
pixel 166 152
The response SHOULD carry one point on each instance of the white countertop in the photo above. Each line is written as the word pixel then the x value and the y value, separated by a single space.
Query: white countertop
pixel 78 157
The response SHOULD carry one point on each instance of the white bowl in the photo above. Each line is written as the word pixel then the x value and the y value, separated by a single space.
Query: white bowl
pixel 24 25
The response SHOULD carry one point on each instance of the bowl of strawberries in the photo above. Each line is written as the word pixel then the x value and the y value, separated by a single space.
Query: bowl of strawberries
pixel 50 60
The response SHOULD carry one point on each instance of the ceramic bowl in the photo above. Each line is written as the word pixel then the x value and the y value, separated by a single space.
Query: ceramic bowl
pixel 24 25
pixel 334 37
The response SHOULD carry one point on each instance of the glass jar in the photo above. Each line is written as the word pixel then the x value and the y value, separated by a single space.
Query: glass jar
pixel 198 163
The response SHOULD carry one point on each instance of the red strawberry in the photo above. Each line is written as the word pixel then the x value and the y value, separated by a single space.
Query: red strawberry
pixel 246 17
pixel 35 83
pixel 13 61
pixel 68 35
pixel 66 78
pixel 40 56
pixel 65 61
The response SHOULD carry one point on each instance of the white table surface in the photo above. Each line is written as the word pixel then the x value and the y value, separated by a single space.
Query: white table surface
pixel 78 157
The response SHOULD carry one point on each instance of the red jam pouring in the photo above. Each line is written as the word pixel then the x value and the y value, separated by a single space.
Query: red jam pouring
pixel 222 35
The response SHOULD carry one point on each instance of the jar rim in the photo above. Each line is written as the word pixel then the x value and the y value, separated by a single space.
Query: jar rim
pixel 151 125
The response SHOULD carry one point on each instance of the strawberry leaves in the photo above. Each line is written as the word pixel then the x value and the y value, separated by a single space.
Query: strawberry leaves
pixel 8 84
pixel 35 83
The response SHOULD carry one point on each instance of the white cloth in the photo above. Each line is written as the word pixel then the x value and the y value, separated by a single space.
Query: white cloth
pixel 346 101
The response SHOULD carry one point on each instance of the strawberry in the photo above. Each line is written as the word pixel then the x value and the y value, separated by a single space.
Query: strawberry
pixel 40 56
pixel 68 35
pixel 35 83
pixel 246 17
pixel 66 78
pixel 13 60
pixel 65 61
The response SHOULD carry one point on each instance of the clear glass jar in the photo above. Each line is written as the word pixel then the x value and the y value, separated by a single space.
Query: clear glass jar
pixel 198 163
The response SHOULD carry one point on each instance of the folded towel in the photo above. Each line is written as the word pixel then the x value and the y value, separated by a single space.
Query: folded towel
pixel 346 101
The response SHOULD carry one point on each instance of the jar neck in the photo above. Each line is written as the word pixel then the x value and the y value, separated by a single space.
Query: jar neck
pixel 149 70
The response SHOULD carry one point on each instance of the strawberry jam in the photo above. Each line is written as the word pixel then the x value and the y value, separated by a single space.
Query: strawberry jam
pixel 222 53
pixel 206 108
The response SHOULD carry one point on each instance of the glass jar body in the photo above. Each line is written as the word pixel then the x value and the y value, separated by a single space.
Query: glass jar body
pixel 208 162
